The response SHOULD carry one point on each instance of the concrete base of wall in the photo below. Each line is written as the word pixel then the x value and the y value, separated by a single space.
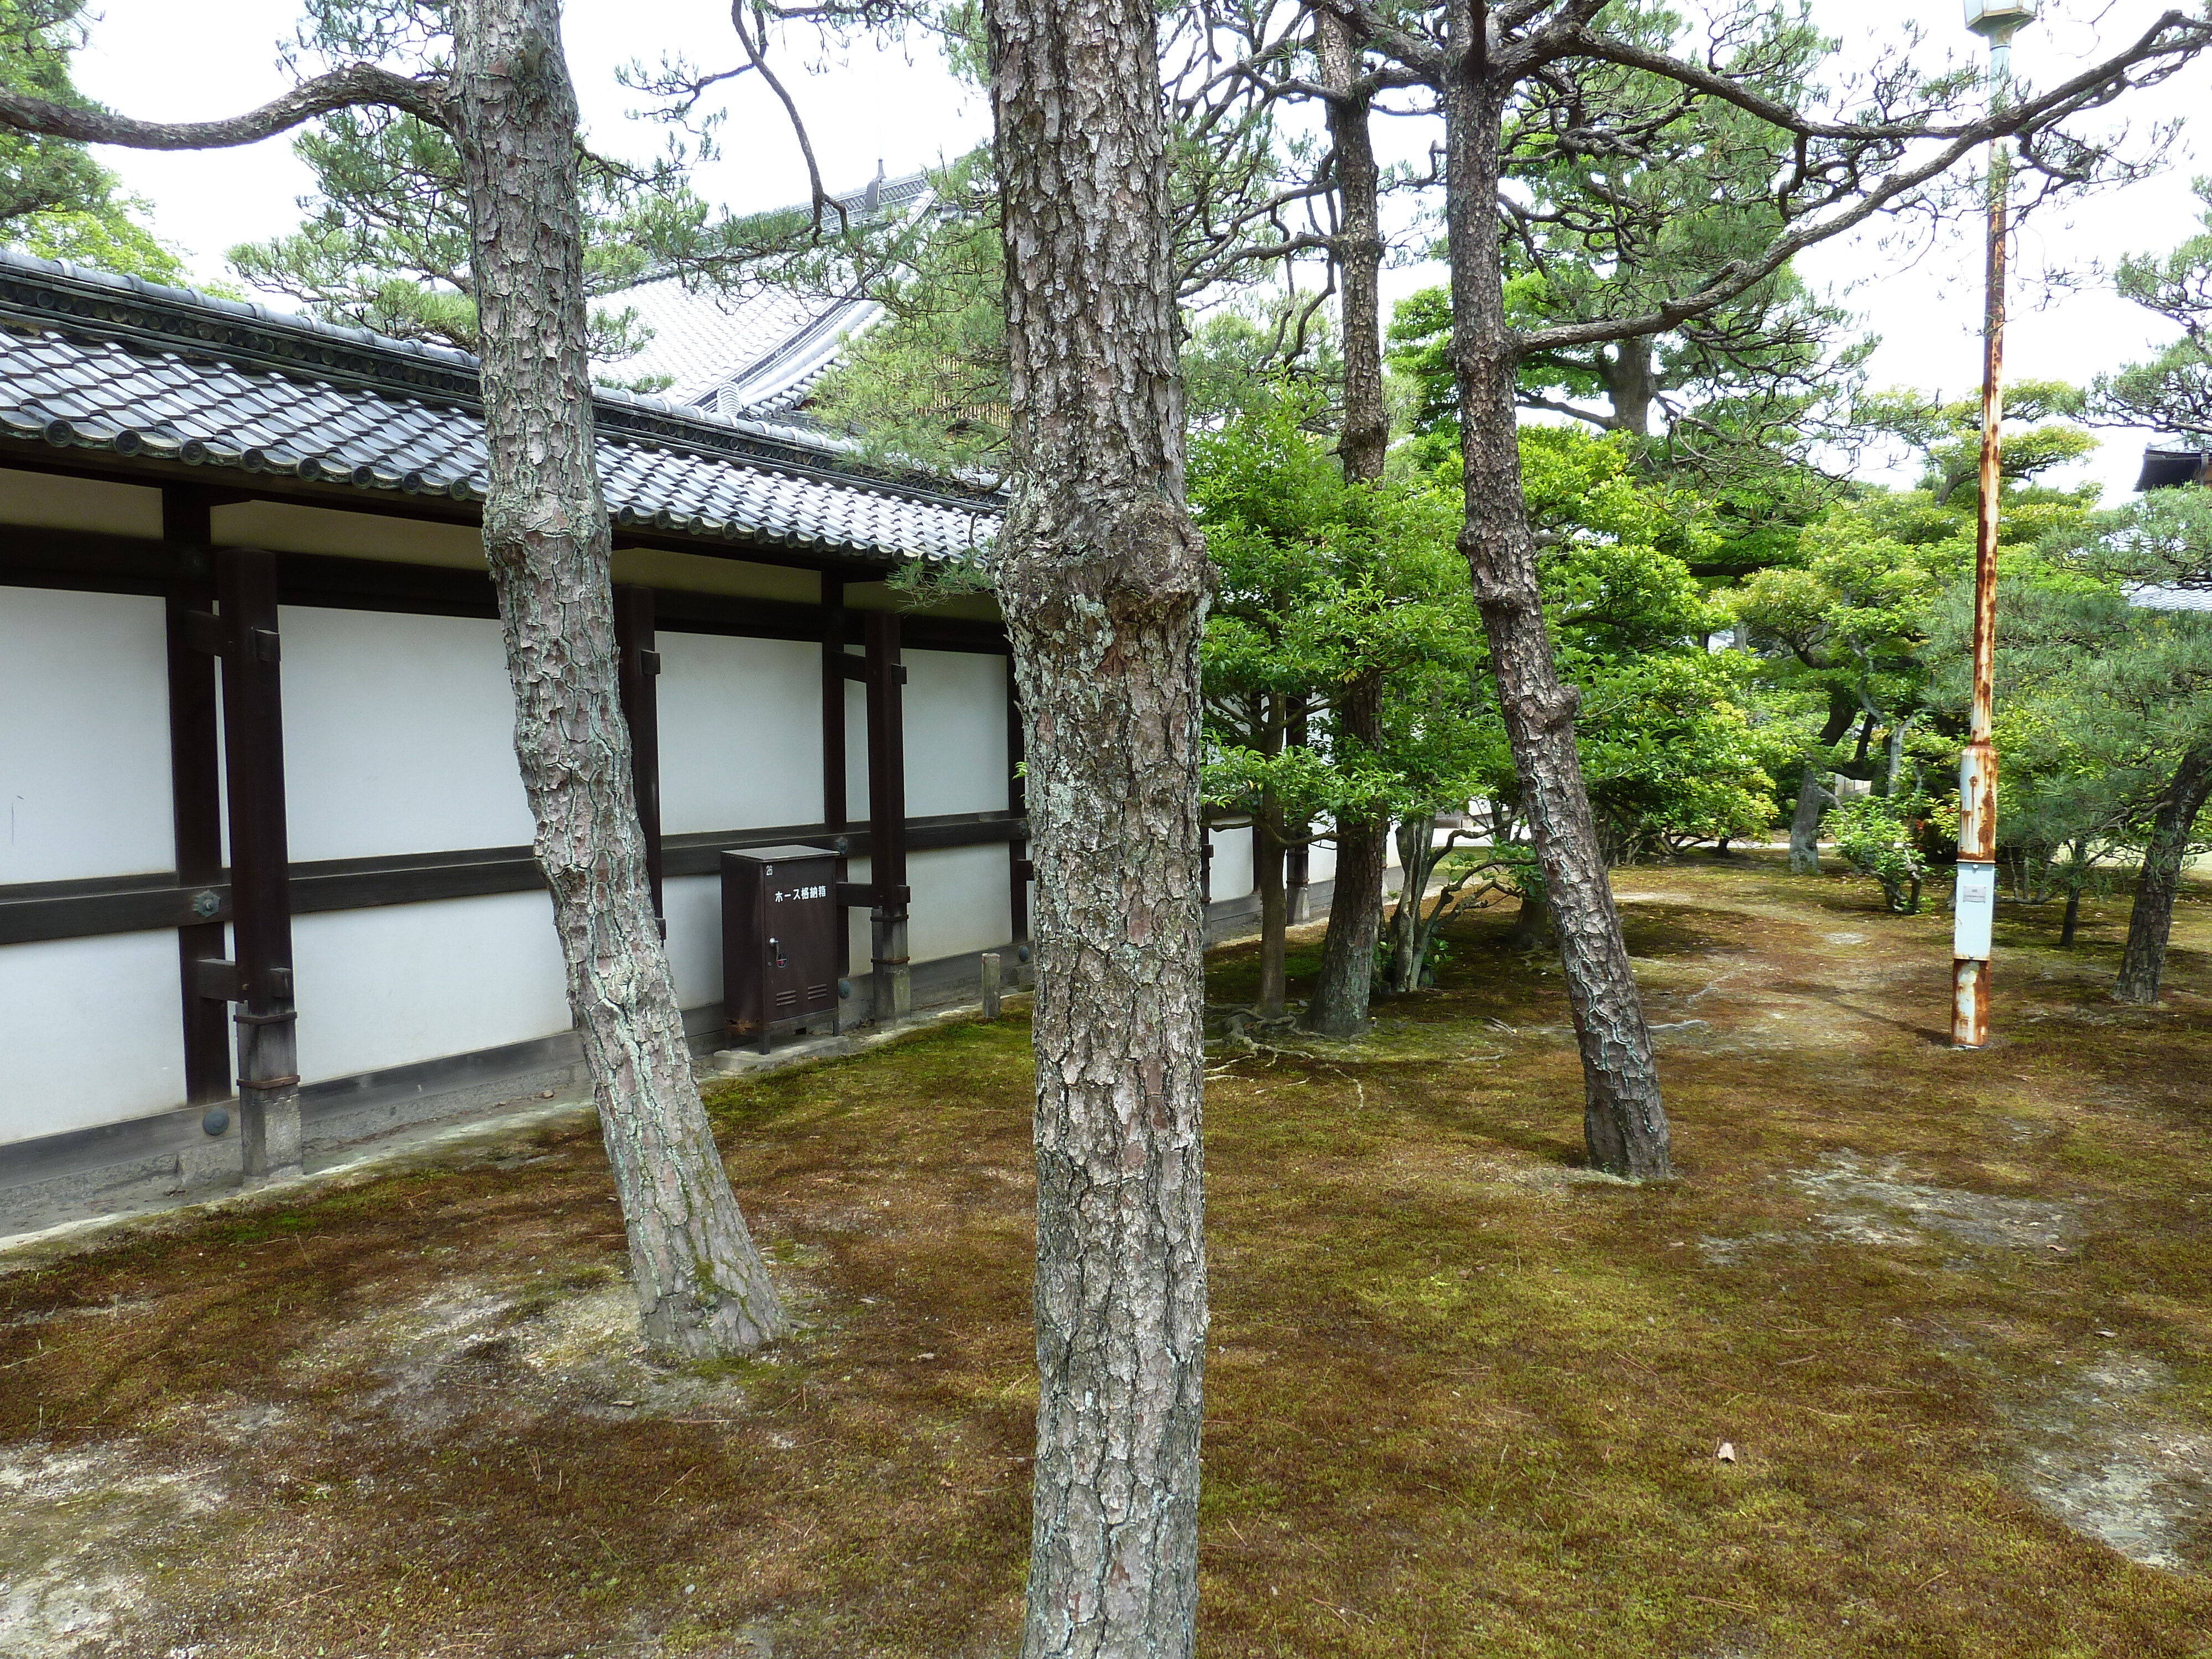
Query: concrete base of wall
pixel 153 1163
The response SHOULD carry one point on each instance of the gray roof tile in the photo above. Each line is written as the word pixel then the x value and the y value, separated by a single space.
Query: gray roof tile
pixel 90 360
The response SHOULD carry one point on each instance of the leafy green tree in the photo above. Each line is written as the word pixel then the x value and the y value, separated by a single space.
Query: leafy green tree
pixel 55 200
pixel 1841 630
pixel 1323 584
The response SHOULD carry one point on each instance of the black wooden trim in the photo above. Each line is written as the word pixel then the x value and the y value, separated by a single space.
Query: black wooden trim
pixel 637 676
pixel 1018 868
pixel 333 583
pixel 35 910
pixel 88 563
pixel 196 784
pixel 30 912
pixel 836 812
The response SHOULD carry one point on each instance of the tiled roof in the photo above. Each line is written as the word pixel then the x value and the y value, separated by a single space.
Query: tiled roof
pixel 754 355
pixel 88 360
pixel 2153 597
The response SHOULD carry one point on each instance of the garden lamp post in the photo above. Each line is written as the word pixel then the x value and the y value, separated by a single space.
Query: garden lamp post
pixel 1974 898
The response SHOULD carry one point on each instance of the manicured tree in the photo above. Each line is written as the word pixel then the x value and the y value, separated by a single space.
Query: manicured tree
pixel 55 200
pixel 1834 169
pixel 2130 685
pixel 1334 596
pixel 2172 392
pixel 1104 583
pixel 504 98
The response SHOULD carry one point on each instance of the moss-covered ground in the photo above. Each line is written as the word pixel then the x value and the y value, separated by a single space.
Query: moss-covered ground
pixel 1952 1313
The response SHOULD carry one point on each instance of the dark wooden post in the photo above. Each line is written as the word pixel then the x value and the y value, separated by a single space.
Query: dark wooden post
pixel 1019 871
pixel 836 810
pixel 1297 862
pixel 196 790
pixel 261 925
pixel 886 683
pixel 639 683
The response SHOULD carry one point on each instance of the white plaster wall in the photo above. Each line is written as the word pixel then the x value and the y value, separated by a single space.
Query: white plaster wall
pixel 1320 861
pixel 740 732
pixel 51 502
pixel 857 943
pixel 1231 874
pixel 90 1032
pixel 398 735
pixel 960 901
pixel 84 737
pixel 956 733
pixel 692 906
pixel 856 750
pixel 404 982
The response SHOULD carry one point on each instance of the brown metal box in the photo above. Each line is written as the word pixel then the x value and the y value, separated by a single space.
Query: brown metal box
pixel 780 926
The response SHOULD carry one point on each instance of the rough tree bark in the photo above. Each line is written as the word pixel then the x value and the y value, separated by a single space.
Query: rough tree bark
pixel 1812 793
pixel 1268 847
pixel 1338 1005
pixel 701 1286
pixel 1623 1120
pixel 2151 921
pixel 1104 583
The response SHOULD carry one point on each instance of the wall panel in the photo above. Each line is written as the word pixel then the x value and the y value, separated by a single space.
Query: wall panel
pixel 89 1031
pixel 692 905
pixel 956 733
pixel 406 982
pixel 398 735
pixel 740 732
pixel 960 901
pixel 1231 874
pixel 84 736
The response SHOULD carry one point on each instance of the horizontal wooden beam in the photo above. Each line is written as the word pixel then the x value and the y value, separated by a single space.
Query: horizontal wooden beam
pixel 85 562
pixel 30 912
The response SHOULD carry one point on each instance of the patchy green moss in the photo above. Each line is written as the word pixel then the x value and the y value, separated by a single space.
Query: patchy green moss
pixel 1462 1397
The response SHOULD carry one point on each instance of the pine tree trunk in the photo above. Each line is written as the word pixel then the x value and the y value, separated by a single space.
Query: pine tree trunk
pixel 2150 922
pixel 701 1286
pixel 1532 927
pixel 1805 825
pixel 1104 583
pixel 1623 1120
pixel 2072 920
pixel 1338 1005
pixel 1274 904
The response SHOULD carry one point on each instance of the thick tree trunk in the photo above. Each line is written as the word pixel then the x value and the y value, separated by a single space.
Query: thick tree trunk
pixel 2072 920
pixel 1632 386
pixel 1268 873
pixel 1341 994
pixel 1532 927
pixel 1805 824
pixel 701 1286
pixel 2150 922
pixel 1623 1120
pixel 1339 1006
pixel 1812 792
pixel 1104 583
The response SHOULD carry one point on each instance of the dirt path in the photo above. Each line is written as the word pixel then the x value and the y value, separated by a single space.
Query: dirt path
pixel 1953 1313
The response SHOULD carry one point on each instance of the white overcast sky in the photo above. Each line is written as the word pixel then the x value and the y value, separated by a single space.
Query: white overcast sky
pixel 154 58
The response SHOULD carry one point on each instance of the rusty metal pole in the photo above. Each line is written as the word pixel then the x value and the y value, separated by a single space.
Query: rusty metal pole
pixel 1974 896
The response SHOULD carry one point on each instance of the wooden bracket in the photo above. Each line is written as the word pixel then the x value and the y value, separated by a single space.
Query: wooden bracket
pixel 217 980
